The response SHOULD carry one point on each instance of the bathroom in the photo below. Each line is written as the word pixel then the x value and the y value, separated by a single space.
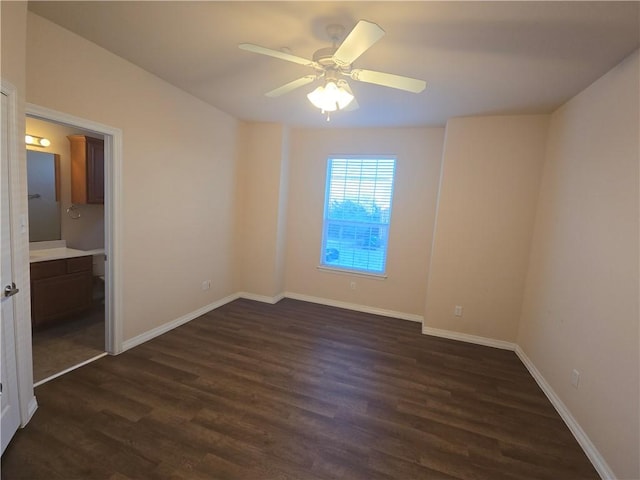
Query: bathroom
pixel 66 247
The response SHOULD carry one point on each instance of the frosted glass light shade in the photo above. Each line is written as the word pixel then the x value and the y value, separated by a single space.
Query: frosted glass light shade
pixel 36 141
pixel 330 97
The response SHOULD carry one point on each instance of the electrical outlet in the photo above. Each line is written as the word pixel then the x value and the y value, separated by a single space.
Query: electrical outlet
pixel 206 285
pixel 575 378
pixel 352 285
pixel 457 311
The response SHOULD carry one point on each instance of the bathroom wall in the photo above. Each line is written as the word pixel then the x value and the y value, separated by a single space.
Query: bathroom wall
pixel 87 232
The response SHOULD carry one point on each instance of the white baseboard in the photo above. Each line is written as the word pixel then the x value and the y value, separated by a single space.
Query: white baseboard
pixel 261 298
pixel 354 306
pixel 32 406
pixel 465 337
pixel 148 335
pixel 598 461
pixel 596 458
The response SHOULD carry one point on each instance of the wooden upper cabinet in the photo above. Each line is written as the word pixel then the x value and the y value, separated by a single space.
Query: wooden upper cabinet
pixel 87 169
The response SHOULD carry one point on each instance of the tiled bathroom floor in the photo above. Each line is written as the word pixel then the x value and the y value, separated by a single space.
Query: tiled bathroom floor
pixel 70 343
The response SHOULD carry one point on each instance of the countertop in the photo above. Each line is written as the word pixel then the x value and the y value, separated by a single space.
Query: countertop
pixel 45 254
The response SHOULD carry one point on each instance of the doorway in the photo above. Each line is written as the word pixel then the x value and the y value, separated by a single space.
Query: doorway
pixel 93 331
pixel 67 306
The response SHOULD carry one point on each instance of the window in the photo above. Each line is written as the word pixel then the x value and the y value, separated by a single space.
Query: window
pixel 357 210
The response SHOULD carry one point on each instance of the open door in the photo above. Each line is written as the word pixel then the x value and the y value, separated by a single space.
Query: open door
pixel 10 410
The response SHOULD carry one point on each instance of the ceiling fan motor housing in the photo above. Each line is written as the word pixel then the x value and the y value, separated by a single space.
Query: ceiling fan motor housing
pixel 330 69
pixel 324 56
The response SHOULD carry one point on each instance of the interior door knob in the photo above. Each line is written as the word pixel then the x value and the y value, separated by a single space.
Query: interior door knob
pixel 11 290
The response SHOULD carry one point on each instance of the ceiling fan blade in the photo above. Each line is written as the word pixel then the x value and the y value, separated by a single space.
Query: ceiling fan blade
pixel 360 39
pixel 291 86
pixel 277 54
pixel 389 80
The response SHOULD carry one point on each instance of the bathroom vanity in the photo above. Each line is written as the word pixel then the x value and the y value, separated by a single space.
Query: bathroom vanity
pixel 61 283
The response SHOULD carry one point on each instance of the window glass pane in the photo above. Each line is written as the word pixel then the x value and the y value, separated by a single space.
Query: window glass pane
pixel 357 213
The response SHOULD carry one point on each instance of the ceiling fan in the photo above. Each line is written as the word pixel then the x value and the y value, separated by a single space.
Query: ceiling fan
pixel 332 64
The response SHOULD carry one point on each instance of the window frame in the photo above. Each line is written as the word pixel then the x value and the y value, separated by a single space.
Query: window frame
pixel 351 270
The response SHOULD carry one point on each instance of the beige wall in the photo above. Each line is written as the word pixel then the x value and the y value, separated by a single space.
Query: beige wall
pixel 488 192
pixel 581 304
pixel 419 153
pixel 13 18
pixel 87 232
pixel 262 177
pixel 178 172
pixel 281 224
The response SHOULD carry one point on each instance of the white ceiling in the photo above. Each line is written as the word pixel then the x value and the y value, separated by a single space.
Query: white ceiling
pixel 476 57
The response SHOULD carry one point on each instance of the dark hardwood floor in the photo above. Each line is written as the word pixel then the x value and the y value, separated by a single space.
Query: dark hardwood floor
pixel 296 391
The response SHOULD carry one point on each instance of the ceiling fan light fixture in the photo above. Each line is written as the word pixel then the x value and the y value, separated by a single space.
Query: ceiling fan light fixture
pixel 331 96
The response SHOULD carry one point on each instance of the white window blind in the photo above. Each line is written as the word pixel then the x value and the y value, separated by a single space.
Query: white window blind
pixel 357 211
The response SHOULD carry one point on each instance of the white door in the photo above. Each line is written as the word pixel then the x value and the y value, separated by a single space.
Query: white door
pixel 9 381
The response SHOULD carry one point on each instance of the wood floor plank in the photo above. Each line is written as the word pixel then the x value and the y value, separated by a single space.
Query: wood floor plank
pixel 297 391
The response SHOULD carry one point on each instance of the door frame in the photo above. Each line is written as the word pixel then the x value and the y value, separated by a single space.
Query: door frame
pixel 112 218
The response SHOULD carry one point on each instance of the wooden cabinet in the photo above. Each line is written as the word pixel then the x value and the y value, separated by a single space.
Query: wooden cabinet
pixel 60 288
pixel 87 169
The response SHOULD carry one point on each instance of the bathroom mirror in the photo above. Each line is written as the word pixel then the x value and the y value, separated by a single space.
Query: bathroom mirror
pixel 43 183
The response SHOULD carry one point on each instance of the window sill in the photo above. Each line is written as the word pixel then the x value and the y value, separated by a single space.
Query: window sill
pixel 341 271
